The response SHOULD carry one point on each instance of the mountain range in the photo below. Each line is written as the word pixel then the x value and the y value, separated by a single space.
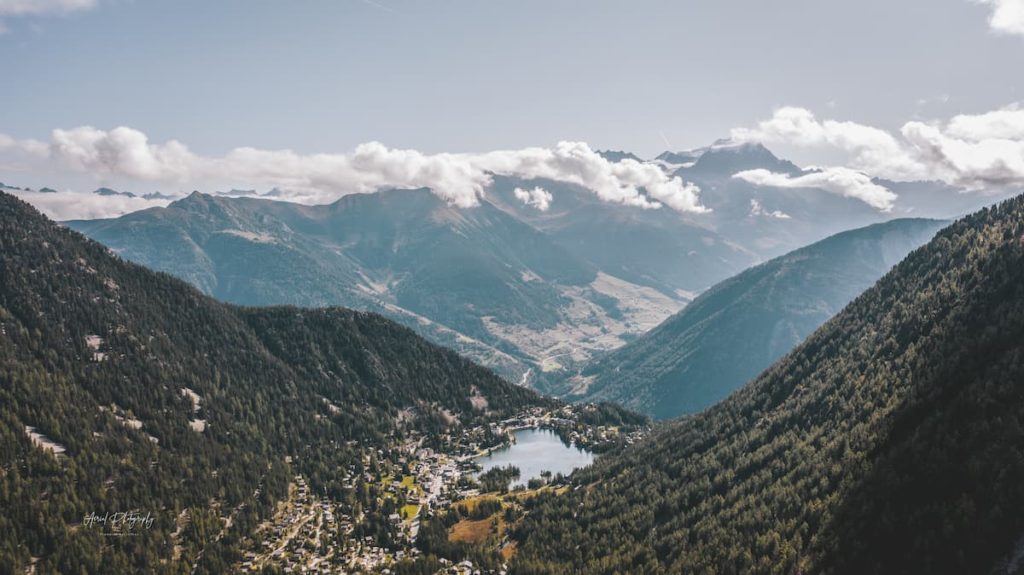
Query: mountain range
pixel 478 280
pixel 532 293
pixel 770 221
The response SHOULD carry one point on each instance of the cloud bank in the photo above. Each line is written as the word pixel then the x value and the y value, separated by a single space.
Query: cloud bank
pixel 68 205
pixel 840 181
pixel 26 7
pixel 460 179
pixel 26 147
pixel 40 7
pixel 870 149
pixel 974 151
pixel 1007 16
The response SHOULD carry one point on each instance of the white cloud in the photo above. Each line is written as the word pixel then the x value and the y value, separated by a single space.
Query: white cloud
pixel 973 162
pixel 14 8
pixel 975 151
pixel 1005 124
pixel 68 205
pixel 617 182
pixel 536 198
pixel 871 149
pixel 122 152
pixel 25 7
pixel 756 209
pixel 788 124
pixel 30 147
pixel 1007 15
pixel 460 179
pixel 840 181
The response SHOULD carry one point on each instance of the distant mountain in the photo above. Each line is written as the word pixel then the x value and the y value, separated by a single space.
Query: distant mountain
pixel 110 192
pixel 888 442
pixel 657 248
pixel 934 199
pixel 125 387
pixel 726 158
pixel 738 328
pixel 770 221
pixel 157 196
pixel 618 155
pixel 479 280
pixel 680 158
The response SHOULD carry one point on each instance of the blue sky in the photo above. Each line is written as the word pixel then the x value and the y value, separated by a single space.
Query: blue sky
pixel 474 76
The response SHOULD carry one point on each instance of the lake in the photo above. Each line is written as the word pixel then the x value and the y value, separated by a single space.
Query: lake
pixel 534 451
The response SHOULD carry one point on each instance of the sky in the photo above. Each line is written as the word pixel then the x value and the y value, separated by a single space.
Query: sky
pixel 449 82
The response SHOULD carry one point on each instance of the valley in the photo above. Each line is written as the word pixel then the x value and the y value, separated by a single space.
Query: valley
pixel 393 287
pixel 739 327
pixel 878 445
pixel 379 452
pixel 273 438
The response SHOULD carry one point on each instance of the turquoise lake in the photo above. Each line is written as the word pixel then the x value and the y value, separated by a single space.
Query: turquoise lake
pixel 535 451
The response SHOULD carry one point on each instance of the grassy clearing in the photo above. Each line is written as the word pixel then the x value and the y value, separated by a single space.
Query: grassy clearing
pixel 476 532
pixel 550 365
pixel 410 511
pixel 469 504
pixel 508 551
pixel 492 529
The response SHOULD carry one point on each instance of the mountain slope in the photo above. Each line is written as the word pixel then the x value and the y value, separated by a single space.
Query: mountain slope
pixel 119 386
pixel 658 248
pixel 739 327
pixel 478 280
pixel 726 158
pixel 888 442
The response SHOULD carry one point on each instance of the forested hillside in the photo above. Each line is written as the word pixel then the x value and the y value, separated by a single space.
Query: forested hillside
pixel 736 329
pixel 888 442
pixel 124 389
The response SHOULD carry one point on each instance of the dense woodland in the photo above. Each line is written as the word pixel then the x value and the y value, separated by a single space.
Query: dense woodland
pixel 888 442
pixel 312 387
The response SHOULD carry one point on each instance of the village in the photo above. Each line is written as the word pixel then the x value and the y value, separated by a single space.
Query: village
pixel 312 533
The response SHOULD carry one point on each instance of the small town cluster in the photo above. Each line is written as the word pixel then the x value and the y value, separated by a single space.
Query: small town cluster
pixel 313 533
